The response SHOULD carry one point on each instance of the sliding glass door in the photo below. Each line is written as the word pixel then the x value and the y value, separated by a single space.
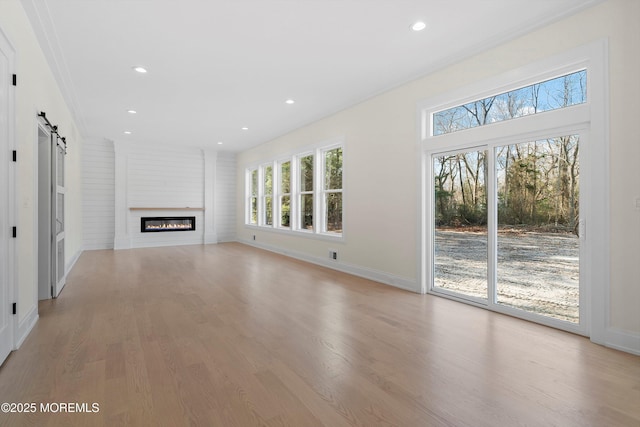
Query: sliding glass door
pixel 538 245
pixel 460 223
pixel 505 227
pixel 515 193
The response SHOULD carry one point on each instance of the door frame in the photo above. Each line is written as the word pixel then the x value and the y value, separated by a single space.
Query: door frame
pixel 490 146
pixel 8 265
pixel 593 115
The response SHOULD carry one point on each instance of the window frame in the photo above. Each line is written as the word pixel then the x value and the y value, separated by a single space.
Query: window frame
pixel 295 224
pixel 249 196
pixel 264 195
pixel 498 95
pixel 589 119
pixel 280 193
pixel 326 191
pixel 299 192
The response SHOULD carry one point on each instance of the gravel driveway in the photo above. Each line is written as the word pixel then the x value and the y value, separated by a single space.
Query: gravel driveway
pixel 537 272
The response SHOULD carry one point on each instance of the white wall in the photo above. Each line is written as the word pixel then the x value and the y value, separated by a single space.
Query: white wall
pixel 98 181
pixel 158 178
pixel 225 197
pixel 186 181
pixel 382 171
pixel 38 91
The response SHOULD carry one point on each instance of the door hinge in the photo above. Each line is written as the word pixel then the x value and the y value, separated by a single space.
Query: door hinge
pixel 15 80
pixel 15 232
pixel 14 308
pixel 15 156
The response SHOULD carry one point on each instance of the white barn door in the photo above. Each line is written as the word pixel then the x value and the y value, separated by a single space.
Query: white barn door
pixel 57 216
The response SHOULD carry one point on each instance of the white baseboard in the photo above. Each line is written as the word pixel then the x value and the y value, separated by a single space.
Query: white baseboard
pixel 97 246
pixel 210 238
pixel 227 237
pixel 72 262
pixel 25 326
pixel 364 272
pixel 122 242
pixel 622 340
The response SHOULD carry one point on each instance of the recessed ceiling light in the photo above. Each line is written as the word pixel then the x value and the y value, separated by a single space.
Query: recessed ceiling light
pixel 245 128
pixel 290 101
pixel 219 142
pixel 127 132
pixel 131 111
pixel 140 69
pixel 418 26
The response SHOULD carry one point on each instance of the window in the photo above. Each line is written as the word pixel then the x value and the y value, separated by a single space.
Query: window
pixel 267 198
pixel 252 214
pixel 332 190
pixel 508 202
pixel 549 95
pixel 300 194
pixel 305 192
pixel 285 194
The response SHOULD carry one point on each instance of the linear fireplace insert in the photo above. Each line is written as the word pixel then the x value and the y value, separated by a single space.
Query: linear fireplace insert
pixel 156 224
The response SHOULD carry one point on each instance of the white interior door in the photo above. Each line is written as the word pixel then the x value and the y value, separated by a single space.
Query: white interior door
pixel 45 246
pixel 51 211
pixel 6 300
pixel 57 217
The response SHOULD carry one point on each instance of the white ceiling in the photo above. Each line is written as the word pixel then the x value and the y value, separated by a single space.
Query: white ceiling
pixel 218 65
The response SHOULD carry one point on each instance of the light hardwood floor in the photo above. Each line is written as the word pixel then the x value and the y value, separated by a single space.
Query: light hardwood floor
pixel 229 335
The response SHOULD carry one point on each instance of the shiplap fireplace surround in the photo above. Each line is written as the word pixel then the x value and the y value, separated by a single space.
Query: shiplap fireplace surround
pixel 163 182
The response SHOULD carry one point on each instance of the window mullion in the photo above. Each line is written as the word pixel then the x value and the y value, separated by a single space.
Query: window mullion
pixel 295 194
pixel 318 187
pixel 275 197
pixel 248 190
pixel 492 227
pixel 260 196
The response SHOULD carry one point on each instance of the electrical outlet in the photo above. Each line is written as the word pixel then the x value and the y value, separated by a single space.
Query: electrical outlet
pixel 637 204
pixel 254 237
pixel 333 255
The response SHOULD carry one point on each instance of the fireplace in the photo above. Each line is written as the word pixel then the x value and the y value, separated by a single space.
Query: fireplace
pixel 157 224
